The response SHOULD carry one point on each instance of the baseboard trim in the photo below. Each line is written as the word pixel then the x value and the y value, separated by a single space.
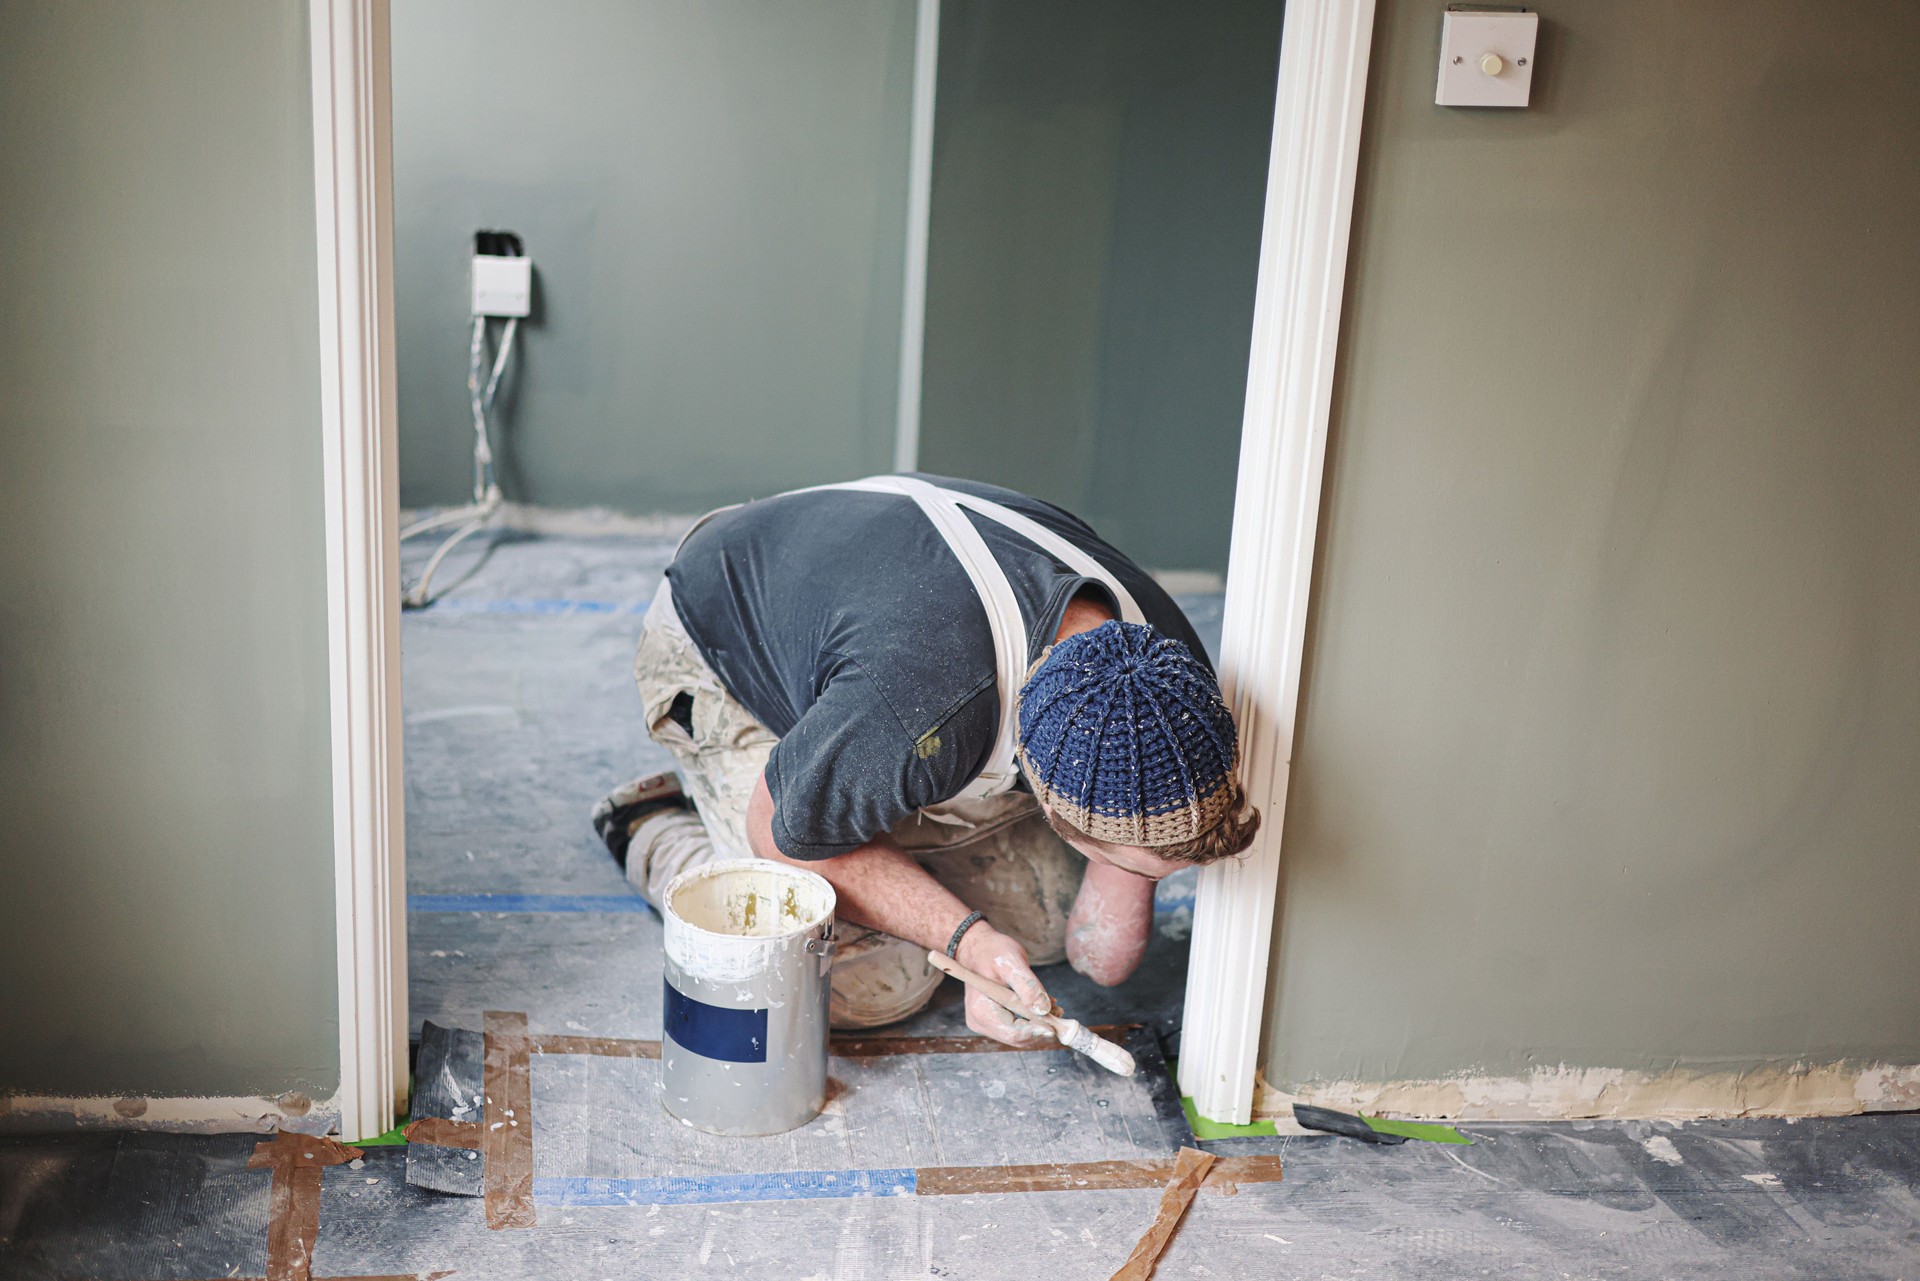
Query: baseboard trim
pixel 567 522
pixel 1566 1093
pixel 47 1114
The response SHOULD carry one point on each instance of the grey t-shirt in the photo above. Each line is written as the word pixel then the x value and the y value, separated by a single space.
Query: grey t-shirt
pixel 846 625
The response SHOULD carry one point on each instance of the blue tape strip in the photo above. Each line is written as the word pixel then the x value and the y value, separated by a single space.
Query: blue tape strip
pixel 714 1031
pixel 790 1185
pixel 527 903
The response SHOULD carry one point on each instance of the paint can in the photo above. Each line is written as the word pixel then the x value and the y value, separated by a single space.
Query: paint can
pixel 749 944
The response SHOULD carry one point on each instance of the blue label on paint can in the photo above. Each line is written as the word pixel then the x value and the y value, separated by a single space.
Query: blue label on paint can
pixel 713 1031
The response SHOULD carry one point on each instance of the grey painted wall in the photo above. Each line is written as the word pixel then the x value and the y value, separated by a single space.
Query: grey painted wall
pixel 1611 724
pixel 166 918
pixel 1099 177
pixel 714 196
pixel 714 193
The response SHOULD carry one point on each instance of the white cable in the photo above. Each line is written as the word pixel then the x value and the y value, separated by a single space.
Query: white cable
pixel 418 597
pixel 487 498
pixel 482 451
pixel 452 516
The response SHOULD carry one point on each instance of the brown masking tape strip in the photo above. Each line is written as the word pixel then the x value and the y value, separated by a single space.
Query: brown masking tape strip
pixel 442 1133
pixel 604 1046
pixel 1084 1176
pixel 507 1144
pixel 844 1047
pixel 293 1216
pixel 1188 1172
pixel 860 1047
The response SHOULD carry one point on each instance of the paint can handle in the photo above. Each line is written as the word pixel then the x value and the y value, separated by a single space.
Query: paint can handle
pixel 824 949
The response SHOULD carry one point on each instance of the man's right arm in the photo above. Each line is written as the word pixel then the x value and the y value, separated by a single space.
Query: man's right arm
pixel 878 885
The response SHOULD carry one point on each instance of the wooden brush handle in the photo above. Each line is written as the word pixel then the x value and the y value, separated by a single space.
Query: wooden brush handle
pixel 995 992
pixel 1070 1034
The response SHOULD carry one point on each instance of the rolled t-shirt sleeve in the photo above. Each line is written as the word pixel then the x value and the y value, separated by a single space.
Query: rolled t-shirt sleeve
pixel 849 770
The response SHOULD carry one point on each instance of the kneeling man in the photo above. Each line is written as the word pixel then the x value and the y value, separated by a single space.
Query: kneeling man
pixel 989 730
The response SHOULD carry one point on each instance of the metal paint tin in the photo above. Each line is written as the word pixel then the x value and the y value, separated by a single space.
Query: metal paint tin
pixel 749 944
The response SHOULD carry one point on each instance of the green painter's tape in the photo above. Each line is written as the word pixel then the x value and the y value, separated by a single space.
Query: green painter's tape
pixel 1426 1130
pixel 396 1137
pixel 1204 1129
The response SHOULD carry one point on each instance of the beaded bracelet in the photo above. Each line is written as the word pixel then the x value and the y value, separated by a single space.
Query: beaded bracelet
pixel 953 944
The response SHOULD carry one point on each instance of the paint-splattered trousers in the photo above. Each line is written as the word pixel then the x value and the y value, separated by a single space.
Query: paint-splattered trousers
pixel 997 855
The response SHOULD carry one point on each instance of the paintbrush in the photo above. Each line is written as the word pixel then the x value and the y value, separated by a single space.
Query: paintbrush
pixel 1073 1035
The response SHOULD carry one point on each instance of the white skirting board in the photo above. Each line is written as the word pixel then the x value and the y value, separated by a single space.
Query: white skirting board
pixel 44 1114
pixel 1565 1093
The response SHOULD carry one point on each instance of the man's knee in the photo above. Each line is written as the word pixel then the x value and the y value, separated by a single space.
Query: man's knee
pixel 1023 877
pixel 878 979
pixel 665 844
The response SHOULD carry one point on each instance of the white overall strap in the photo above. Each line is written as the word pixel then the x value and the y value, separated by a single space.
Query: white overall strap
pixel 1057 547
pixel 1003 616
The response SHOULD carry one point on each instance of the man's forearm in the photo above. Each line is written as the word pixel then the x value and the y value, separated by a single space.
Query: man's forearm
pixel 878 885
pixel 1111 922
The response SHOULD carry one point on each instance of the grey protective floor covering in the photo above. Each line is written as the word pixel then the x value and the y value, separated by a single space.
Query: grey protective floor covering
pixel 520 713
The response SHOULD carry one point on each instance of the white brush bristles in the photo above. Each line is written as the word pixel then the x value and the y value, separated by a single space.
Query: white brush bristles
pixel 1075 1036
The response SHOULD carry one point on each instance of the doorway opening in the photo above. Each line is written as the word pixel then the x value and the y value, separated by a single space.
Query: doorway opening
pixel 710 325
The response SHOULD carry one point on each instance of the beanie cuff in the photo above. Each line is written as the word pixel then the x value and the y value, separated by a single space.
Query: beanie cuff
pixel 1173 826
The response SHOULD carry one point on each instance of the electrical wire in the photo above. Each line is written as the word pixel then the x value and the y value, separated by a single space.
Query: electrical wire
pixel 487 497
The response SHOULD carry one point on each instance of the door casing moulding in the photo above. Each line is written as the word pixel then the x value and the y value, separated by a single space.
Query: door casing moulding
pixel 353 217
pixel 1325 47
pixel 1324 50
pixel 41 1114
pixel 913 285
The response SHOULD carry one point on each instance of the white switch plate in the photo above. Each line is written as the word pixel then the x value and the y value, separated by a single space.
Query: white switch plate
pixel 1467 38
pixel 502 286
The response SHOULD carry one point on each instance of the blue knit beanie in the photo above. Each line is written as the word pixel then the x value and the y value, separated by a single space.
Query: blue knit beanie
pixel 1123 733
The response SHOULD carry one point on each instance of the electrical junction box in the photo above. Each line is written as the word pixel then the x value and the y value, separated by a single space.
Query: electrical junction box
pixel 502 286
pixel 1486 56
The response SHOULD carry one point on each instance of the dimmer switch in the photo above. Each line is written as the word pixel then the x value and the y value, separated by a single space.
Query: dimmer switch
pixel 1486 57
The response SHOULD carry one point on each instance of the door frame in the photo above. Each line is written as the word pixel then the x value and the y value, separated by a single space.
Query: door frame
pixel 353 224
pixel 1324 54
pixel 1325 46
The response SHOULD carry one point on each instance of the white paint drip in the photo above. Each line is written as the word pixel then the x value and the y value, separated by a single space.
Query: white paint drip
pixel 1763 1180
pixel 1661 1148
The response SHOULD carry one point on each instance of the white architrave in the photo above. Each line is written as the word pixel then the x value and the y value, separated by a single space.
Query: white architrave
pixel 1303 259
pixel 354 225
pixel 913 291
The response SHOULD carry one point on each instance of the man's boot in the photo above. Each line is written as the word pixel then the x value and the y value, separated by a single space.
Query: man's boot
pixel 616 817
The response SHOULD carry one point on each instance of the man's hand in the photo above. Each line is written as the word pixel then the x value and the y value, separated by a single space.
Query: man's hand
pixel 991 954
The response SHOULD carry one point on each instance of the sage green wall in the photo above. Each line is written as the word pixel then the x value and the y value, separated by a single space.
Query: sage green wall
pixel 1611 726
pixel 166 867
pixel 714 196
pixel 1099 175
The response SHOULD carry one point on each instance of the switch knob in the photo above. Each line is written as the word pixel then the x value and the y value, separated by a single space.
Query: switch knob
pixel 1491 64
